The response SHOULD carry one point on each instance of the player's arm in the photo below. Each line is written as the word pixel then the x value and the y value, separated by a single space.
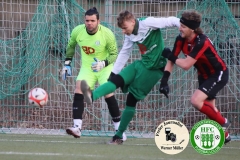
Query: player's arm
pixel 185 63
pixel 70 51
pixel 162 22
pixel 177 48
pixel 164 88
pixel 191 59
pixel 169 66
pixel 123 55
pixel 111 47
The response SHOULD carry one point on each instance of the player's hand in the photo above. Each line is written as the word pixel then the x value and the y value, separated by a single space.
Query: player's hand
pixel 111 76
pixel 67 70
pixel 98 65
pixel 166 52
pixel 164 89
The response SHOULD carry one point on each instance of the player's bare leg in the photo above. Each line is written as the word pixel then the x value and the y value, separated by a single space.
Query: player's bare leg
pixel 207 107
pixel 86 92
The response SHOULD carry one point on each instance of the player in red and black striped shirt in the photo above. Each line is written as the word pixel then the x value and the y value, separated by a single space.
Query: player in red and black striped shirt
pixel 200 53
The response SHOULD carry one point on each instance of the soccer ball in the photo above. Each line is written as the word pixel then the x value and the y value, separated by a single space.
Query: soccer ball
pixel 38 97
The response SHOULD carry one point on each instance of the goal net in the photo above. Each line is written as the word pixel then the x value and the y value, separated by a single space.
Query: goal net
pixel 33 39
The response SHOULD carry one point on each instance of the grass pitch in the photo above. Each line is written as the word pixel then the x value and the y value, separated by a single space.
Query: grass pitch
pixel 42 147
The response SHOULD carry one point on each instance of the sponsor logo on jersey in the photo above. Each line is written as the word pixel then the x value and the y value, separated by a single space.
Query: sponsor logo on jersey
pixel 88 50
pixel 97 43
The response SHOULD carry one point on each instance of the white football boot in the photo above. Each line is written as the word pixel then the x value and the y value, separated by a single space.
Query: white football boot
pixel 116 125
pixel 74 131
pixel 124 137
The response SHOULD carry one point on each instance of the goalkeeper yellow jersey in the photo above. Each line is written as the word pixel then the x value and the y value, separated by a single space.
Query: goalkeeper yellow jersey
pixel 101 45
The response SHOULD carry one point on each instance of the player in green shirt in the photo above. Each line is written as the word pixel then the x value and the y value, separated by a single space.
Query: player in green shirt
pixel 139 77
pixel 98 49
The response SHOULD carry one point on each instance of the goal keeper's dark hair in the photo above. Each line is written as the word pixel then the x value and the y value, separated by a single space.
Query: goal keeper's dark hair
pixel 92 11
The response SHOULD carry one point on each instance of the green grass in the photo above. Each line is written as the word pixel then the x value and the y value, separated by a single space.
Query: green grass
pixel 43 147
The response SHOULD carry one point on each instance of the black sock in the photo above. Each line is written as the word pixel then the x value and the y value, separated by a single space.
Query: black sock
pixel 113 108
pixel 78 106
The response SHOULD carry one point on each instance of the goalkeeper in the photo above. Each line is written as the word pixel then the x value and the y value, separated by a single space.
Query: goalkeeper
pixel 139 77
pixel 98 52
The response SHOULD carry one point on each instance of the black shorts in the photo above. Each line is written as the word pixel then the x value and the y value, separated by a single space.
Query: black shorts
pixel 213 84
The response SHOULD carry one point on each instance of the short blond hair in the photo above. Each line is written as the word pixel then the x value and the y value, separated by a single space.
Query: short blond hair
pixel 124 16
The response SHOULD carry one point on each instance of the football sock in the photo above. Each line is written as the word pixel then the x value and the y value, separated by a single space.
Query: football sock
pixel 226 135
pixel 116 125
pixel 78 106
pixel 103 90
pixel 226 120
pixel 113 108
pixel 208 109
pixel 77 123
pixel 127 116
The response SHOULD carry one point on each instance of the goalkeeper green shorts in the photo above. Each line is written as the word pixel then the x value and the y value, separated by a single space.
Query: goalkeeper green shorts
pixel 93 77
pixel 139 80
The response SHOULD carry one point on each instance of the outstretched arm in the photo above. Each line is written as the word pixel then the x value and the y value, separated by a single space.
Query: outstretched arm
pixel 162 22
pixel 123 55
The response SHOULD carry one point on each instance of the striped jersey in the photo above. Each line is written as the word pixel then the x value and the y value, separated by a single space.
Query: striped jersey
pixel 201 49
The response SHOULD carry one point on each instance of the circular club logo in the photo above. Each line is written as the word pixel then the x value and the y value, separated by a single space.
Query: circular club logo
pixel 171 137
pixel 207 137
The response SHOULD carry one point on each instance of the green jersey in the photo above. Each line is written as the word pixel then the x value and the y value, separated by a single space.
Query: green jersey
pixel 147 35
pixel 101 45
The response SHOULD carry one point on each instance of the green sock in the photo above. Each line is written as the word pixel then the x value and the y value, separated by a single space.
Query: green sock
pixel 127 116
pixel 103 90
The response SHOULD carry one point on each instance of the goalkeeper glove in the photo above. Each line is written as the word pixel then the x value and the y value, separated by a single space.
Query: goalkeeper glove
pixel 97 65
pixel 67 70
pixel 167 53
pixel 164 88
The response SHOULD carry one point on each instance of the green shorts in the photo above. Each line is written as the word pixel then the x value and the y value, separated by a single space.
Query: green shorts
pixel 139 80
pixel 93 77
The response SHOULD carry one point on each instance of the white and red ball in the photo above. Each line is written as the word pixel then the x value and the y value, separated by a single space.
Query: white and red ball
pixel 38 97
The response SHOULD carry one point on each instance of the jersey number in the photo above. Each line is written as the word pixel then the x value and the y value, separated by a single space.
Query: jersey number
pixel 88 50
